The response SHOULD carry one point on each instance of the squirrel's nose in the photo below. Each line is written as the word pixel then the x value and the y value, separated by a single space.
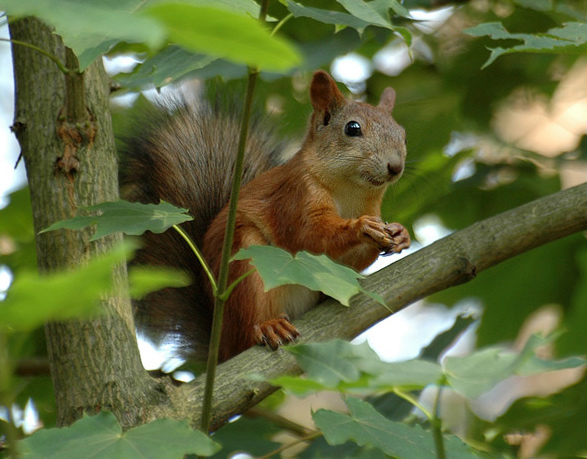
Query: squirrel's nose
pixel 395 169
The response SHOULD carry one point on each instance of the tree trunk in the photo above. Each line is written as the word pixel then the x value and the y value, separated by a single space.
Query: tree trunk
pixel 64 128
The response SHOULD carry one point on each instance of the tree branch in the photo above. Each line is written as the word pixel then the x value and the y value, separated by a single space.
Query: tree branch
pixel 451 261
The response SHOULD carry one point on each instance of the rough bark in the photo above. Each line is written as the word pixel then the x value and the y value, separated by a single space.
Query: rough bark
pixel 71 162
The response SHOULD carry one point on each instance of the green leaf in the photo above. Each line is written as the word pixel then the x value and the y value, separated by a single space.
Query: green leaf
pixel 91 27
pixel 443 341
pixel 146 279
pixel 479 372
pixel 32 299
pixel 242 7
pixel 327 16
pixel 326 363
pixel 101 436
pixel 255 436
pixel 574 341
pixel 164 68
pixel 410 374
pixel 316 272
pixel 570 39
pixel 299 386
pixel 131 218
pixel 538 5
pixel 563 414
pixel 365 426
pixel 375 12
pixel 17 233
pixel 340 365
pixel 224 34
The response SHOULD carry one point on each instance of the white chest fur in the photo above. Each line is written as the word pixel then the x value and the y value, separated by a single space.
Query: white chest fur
pixel 297 299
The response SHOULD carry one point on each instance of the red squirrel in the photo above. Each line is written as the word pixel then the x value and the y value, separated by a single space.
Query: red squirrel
pixel 325 200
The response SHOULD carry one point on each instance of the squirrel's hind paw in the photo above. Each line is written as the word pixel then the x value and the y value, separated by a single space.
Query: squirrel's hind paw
pixel 276 332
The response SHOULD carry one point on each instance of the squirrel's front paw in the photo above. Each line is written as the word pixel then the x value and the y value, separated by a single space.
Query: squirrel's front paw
pixel 389 237
pixel 276 332
pixel 400 238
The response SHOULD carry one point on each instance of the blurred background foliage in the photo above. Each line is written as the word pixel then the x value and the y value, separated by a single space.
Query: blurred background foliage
pixel 480 141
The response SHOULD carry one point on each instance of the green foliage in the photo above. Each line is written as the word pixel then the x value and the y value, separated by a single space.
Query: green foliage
pixel 146 279
pixel 366 427
pixel 574 341
pixel 327 17
pixel 563 414
pixel 132 218
pixel 447 105
pixel 91 28
pixel 251 435
pixel 356 369
pixel 16 229
pixel 344 367
pixel 165 67
pixel 275 266
pixel 278 267
pixel 571 38
pixel 479 372
pixel 101 436
pixel 33 299
pixel 338 365
pixel 210 30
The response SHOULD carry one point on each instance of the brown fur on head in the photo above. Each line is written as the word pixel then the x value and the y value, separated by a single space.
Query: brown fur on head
pixel 351 141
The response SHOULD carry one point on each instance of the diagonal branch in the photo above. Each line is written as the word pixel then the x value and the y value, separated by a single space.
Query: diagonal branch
pixel 453 260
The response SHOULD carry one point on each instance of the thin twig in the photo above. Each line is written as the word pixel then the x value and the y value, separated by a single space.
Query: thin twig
pixel 279 421
pixel 232 286
pixel 305 439
pixel 199 256
pixel 281 23
pixel 437 427
pixel 55 59
pixel 414 401
pixel 227 246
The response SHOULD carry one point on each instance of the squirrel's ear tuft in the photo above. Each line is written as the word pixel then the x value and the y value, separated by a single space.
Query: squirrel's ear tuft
pixel 387 100
pixel 324 93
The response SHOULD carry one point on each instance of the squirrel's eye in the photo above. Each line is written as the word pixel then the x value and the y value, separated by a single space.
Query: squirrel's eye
pixel 353 129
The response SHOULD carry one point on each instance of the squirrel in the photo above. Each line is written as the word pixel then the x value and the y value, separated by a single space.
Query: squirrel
pixel 325 200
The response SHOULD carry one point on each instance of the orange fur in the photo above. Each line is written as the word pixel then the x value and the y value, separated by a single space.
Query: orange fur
pixel 325 200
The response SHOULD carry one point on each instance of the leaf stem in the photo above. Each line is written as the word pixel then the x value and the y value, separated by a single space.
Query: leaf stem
pixel 281 23
pixel 414 401
pixel 227 247
pixel 55 59
pixel 199 256
pixel 231 287
pixel 278 421
pixel 308 437
pixel 437 427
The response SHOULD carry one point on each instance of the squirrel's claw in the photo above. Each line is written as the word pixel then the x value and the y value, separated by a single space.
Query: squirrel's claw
pixel 389 237
pixel 399 236
pixel 276 332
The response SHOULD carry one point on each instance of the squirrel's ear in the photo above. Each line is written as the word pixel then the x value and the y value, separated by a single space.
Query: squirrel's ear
pixel 324 93
pixel 387 100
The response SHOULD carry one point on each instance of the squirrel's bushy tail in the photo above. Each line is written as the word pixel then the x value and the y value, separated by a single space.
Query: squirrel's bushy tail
pixel 184 154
